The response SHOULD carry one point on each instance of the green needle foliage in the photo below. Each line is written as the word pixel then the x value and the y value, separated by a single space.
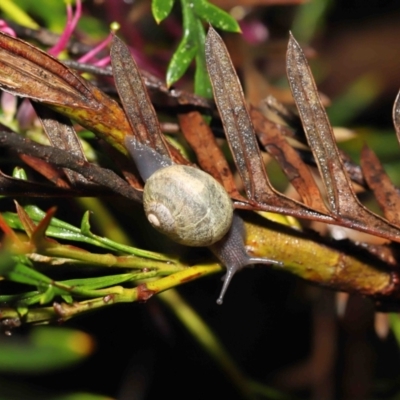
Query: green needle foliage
pixel 191 47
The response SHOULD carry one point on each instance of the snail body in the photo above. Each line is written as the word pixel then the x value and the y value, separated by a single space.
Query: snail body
pixel 192 208
pixel 187 205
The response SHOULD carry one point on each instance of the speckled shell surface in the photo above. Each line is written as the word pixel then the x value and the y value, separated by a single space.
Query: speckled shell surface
pixel 188 205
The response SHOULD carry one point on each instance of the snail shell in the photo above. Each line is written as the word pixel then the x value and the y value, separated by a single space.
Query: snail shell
pixel 187 205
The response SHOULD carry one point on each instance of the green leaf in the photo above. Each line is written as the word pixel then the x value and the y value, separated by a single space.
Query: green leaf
pixel 161 9
pixel 215 16
pixel 19 173
pixel 110 244
pixel 395 326
pixel 68 299
pixel 57 228
pixel 21 273
pixel 187 48
pixel 100 282
pixel 181 59
pixel 202 83
pixel 46 349
pixel 84 287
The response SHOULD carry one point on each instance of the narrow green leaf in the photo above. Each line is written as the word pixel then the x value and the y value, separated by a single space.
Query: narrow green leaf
pixel 202 83
pixel 48 295
pixel 161 9
pixel 67 298
pixel 22 300
pixel 187 48
pixel 181 60
pixel 110 244
pixel 215 16
pixel 21 273
pixel 62 230
pixel 84 287
pixel 105 281
pixel 57 228
pixel 22 310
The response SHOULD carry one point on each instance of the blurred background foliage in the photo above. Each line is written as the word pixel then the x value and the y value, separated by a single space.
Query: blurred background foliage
pixel 307 342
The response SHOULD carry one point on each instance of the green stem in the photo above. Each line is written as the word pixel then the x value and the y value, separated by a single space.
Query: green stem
pixel 104 220
pixel 110 260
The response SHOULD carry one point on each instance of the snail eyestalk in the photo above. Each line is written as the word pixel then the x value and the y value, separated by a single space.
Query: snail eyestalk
pixel 232 253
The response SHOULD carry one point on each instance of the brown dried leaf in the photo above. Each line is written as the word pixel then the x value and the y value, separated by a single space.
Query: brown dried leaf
pixel 209 156
pixel 238 127
pixel 378 181
pixel 135 99
pixel 396 116
pixel 25 219
pixel 29 72
pixel 38 237
pixel 50 172
pixel 292 165
pixel 62 135
pixel 342 201
pixel 240 133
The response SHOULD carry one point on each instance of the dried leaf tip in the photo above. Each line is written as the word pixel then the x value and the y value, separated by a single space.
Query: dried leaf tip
pixel 396 116
pixel 211 33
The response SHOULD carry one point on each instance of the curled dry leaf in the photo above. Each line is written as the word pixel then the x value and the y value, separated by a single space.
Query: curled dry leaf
pixel 30 72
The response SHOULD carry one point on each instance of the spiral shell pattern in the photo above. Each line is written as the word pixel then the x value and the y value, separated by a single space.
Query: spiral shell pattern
pixel 188 205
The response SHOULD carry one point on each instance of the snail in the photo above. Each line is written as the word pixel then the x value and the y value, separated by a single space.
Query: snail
pixel 192 208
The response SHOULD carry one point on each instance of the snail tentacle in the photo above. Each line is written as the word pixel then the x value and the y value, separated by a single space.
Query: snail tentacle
pixel 232 252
